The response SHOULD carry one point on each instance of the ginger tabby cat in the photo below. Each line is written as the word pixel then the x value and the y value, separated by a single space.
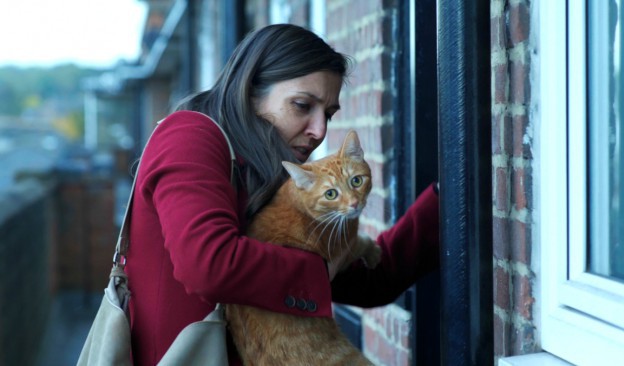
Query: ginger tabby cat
pixel 316 209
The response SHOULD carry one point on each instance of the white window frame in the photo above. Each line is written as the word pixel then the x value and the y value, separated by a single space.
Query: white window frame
pixel 581 314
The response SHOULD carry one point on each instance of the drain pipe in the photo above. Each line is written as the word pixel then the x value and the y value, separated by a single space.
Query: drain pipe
pixel 465 182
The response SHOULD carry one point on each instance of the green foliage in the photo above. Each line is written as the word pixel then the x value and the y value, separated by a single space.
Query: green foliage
pixel 9 100
pixel 27 88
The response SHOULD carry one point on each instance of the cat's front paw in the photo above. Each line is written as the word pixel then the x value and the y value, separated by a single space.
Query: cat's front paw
pixel 372 252
pixel 372 257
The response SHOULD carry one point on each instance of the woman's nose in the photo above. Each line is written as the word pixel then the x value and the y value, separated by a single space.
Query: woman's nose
pixel 317 127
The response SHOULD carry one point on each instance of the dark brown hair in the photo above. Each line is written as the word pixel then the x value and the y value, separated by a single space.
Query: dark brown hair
pixel 269 55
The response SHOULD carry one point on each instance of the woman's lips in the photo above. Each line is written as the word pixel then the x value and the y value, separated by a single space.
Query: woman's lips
pixel 302 153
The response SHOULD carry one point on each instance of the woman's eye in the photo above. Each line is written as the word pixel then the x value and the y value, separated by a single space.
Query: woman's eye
pixel 357 181
pixel 302 106
pixel 331 194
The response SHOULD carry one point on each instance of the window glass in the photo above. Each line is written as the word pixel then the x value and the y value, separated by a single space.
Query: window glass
pixel 606 113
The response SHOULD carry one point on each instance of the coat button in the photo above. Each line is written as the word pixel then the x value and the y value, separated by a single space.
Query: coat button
pixel 311 306
pixel 290 301
pixel 301 304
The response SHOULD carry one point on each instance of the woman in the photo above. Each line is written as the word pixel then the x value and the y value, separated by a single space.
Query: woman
pixel 188 250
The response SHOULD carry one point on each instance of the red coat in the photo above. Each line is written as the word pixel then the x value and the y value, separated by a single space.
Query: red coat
pixel 187 251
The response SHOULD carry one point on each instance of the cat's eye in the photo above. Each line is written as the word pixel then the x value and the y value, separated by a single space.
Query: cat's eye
pixel 357 181
pixel 331 194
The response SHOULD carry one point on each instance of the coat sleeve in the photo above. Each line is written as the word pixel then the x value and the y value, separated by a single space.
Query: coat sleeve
pixel 186 175
pixel 410 249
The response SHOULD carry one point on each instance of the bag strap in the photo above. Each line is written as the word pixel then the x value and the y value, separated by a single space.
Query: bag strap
pixel 123 241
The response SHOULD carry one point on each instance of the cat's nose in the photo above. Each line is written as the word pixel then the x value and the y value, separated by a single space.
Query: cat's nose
pixel 354 210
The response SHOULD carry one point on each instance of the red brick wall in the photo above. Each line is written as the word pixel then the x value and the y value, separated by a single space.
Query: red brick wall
pixel 387 336
pixel 514 327
pixel 363 30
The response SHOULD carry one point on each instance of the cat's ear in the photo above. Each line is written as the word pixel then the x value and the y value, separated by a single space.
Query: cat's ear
pixel 351 147
pixel 304 179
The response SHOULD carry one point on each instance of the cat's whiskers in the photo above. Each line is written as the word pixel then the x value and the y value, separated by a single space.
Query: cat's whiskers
pixel 344 222
pixel 334 223
pixel 340 227
pixel 340 223
pixel 324 220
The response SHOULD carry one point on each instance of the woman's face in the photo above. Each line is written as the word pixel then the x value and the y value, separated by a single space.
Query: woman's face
pixel 300 109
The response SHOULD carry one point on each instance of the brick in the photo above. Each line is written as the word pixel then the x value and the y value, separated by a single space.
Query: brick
pixel 520 247
pixel 521 142
pixel 502 281
pixel 522 299
pixel 501 133
pixel 518 188
pixel 528 187
pixel 501 234
pixel 387 336
pixel 386 352
pixel 519 84
pixel 371 339
pixel 369 103
pixel 519 23
pixel 501 83
pixel 501 189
